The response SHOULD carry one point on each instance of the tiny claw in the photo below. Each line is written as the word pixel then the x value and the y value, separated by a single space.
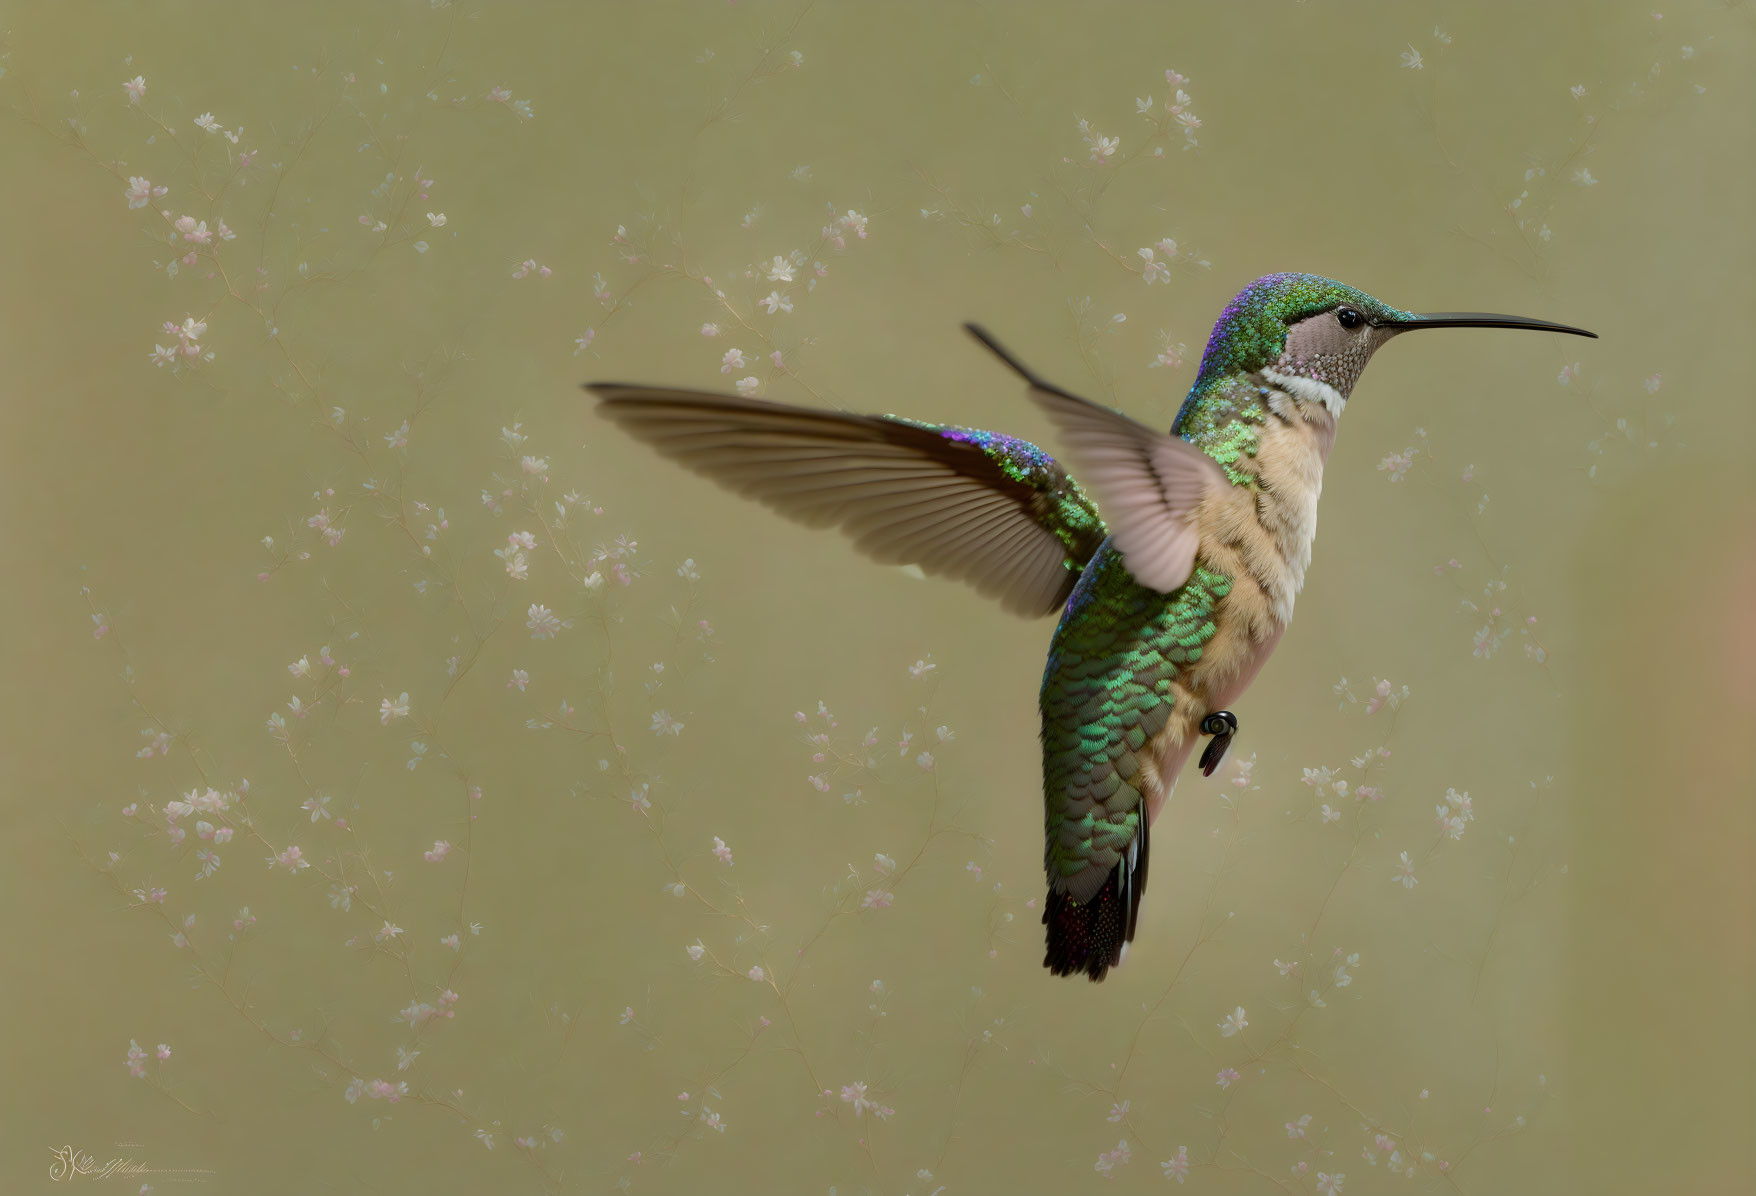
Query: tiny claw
pixel 1222 725
pixel 1220 722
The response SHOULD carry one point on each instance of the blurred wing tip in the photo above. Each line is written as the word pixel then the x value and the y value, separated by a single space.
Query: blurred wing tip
pixel 993 346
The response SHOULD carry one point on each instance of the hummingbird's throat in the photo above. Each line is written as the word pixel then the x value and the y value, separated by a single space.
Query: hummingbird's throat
pixel 1312 391
pixel 1321 361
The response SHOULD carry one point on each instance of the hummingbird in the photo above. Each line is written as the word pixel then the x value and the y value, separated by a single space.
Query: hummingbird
pixel 1173 560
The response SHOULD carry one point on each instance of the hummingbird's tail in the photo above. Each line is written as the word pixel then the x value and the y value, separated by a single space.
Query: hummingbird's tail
pixel 1092 936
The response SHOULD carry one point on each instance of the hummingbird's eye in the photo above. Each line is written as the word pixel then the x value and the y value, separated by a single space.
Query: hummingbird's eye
pixel 1347 317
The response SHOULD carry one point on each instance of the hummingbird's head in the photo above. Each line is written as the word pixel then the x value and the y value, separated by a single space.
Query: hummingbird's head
pixel 1311 337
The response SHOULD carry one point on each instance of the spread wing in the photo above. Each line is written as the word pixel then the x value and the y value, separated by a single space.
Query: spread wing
pixel 991 510
pixel 1147 483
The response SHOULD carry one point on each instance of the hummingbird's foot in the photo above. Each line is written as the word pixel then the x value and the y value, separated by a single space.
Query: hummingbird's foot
pixel 1222 725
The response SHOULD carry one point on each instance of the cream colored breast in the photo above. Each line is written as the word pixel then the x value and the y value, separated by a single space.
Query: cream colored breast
pixel 1266 531
pixel 1291 479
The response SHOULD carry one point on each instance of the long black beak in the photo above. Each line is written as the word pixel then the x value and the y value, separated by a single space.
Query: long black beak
pixel 1481 319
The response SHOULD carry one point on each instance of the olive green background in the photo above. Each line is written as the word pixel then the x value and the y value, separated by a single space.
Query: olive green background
pixel 1563 1003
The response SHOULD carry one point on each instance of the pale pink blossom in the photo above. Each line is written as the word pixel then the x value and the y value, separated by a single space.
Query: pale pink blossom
pixel 194 230
pixel 384 1090
pixel 136 88
pixel 855 1094
pixel 441 848
pixel 1109 1160
pixel 721 852
pixel 391 709
pixel 1397 464
pixel 292 859
pixel 543 622
pixel 1177 1168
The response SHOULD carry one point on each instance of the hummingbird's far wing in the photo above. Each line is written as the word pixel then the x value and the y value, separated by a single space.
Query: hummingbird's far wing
pixel 1147 483
pixel 991 510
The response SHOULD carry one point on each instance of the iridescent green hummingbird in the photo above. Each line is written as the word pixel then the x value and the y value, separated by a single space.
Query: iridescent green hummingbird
pixel 1173 561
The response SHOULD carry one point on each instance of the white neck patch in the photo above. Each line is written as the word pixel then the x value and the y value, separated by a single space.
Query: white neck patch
pixel 1308 389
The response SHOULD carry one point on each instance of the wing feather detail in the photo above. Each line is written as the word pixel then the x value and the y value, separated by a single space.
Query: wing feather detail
pixel 989 510
pixel 1147 484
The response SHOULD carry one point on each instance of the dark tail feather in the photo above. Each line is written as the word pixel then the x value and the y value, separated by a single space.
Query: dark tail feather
pixel 1088 936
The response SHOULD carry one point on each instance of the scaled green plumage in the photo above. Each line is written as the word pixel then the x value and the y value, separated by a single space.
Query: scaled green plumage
pixel 1106 693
